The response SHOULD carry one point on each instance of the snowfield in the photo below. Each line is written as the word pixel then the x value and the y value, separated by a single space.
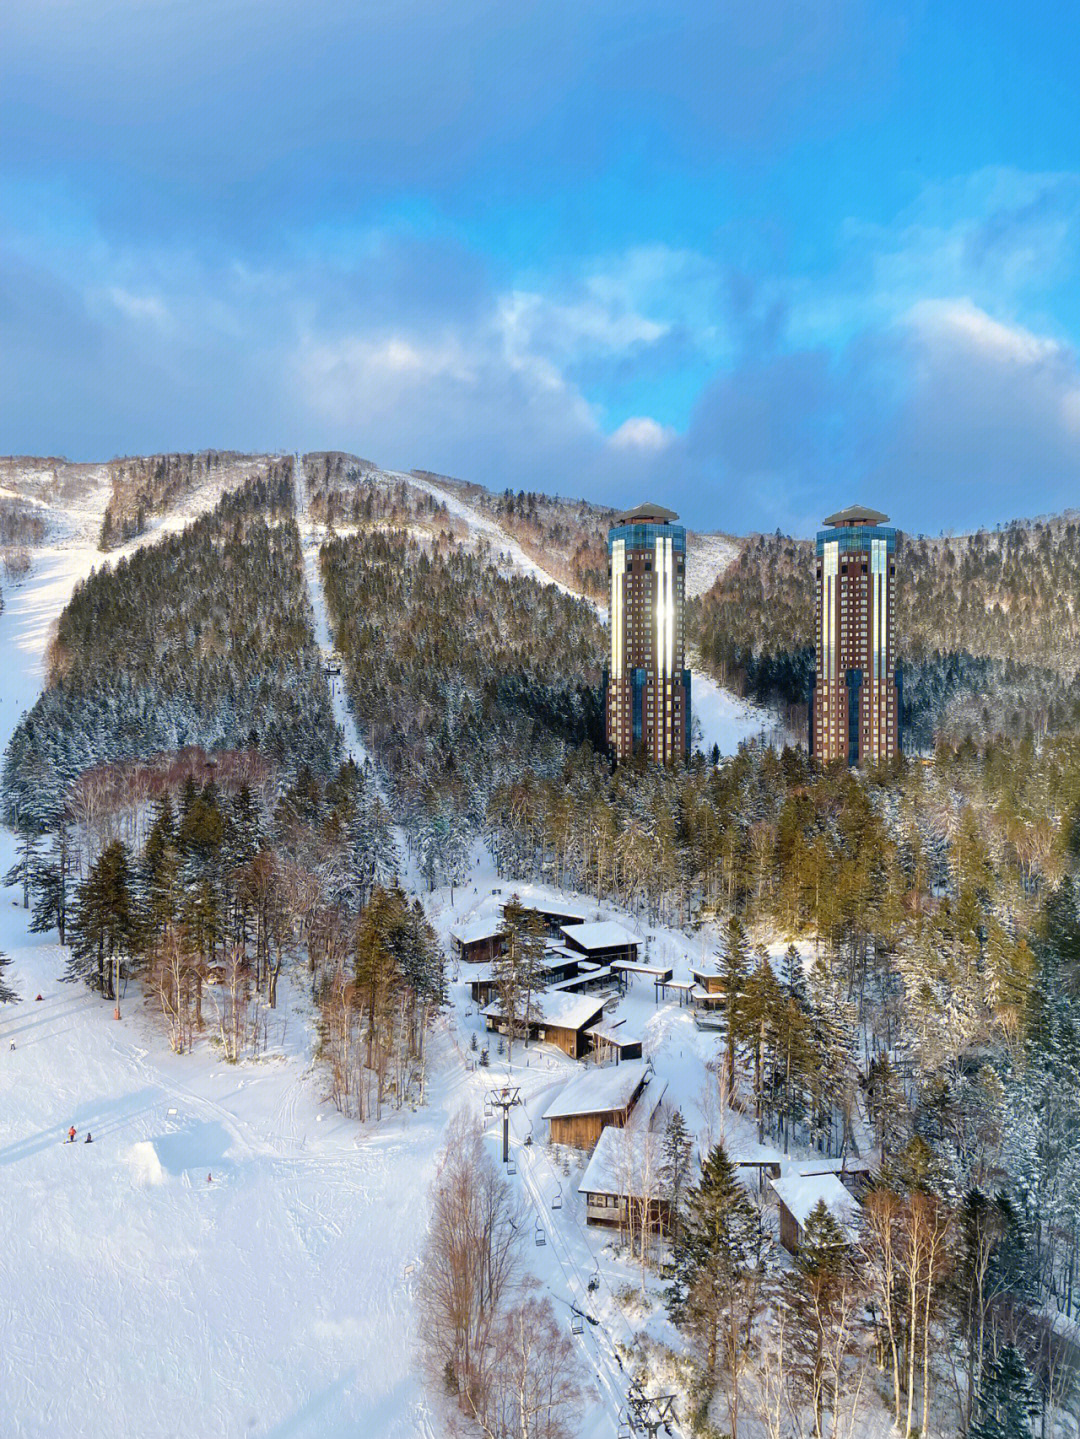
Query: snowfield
pixel 726 720
pixel 707 557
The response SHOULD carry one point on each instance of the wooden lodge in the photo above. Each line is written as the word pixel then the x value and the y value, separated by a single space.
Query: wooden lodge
pixel 598 1097
pixel 623 1172
pixel 612 1043
pixel 558 966
pixel 552 916
pixel 707 992
pixel 555 1018
pixel 603 942
pixel 477 941
pixel 800 1194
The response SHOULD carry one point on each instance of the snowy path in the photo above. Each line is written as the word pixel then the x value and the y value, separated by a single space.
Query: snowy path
pixel 486 528
pixel 726 720
pixel 312 536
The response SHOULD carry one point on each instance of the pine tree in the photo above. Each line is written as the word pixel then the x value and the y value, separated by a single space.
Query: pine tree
pixel 676 1158
pixel 762 1022
pixel 820 1298
pixel 732 987
pixel 103 923
pixel 716 1268
pixel 50 886
pixel 518 970
pixel 7 994
pixel 1007 1401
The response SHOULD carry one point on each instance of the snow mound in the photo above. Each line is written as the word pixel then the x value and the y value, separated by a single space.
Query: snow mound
pixel 145 1165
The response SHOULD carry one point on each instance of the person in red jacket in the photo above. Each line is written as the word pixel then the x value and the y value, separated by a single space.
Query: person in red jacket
pixel 71 1135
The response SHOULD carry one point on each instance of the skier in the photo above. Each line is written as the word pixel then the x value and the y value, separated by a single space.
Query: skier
pixel 13 1044
pixel 88 1139
pixel 71 1135
pixel 209 1179
pixel 37 997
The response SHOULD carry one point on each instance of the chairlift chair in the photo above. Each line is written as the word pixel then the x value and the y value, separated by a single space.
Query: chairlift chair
pixel 511 1167
pixel 577 1322
pixel 541 1237
pixel 556 1203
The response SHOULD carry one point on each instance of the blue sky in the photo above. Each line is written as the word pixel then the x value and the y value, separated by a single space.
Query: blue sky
pixel 754 259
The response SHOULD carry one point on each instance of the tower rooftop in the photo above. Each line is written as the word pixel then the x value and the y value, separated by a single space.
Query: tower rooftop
pixel 856 515
pixel 642 514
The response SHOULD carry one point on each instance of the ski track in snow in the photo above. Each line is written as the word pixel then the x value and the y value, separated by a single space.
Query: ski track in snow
pixel 312 536
pixel 485 529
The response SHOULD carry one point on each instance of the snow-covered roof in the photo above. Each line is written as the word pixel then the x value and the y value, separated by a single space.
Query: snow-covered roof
pixel 479 973
pixel 558 1009
pixel 629 966
pixel 594 975
pixel 802 1193
pixel 823 1165
pixel 561 951
pixel 751 1152
pixel 612 1032
pixel 552 907
pixel 597 1091
pixel 601 934
pixel 472 930
pixel 622 1164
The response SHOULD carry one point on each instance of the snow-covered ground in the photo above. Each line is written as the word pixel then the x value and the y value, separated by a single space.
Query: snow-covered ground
pixel 707 557
pixel 726 720
pixel 138 1298
pixel 483 528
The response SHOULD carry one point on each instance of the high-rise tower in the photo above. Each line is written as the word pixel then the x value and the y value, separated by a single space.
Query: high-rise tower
pixel 857 689
pixel 648 690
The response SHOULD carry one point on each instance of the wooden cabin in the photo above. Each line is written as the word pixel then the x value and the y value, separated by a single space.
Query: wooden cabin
pixel 603 942
pixel 477 941
pixel 552 915
pixel 558 965
pixel 800 1194
pixel 625 1170
pixel 612 1043
pixel 555 1018
pixel 707 992
pixel 598 1097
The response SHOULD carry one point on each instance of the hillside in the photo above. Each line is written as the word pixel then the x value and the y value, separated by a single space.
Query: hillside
pixel 150 485
pixel 201 638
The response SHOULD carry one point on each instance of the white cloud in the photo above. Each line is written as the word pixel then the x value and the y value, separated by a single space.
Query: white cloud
pixel 964 322
pixel 573 330
pixel 149 308
pixel 643 434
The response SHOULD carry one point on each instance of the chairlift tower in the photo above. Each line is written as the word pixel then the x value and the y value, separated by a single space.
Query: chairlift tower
pixel 646 1414
pixel 506 1098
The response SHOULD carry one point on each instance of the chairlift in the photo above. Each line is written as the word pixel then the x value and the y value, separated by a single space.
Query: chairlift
pixel 488 1111
pixel 511 1167
pixel 556 1203
pixel 625 1431
pixel 577 1321
pixel 541 1237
